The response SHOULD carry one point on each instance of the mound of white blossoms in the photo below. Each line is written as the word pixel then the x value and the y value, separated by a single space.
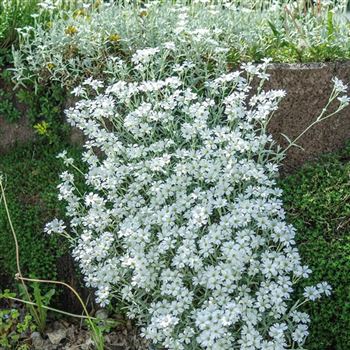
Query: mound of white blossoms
pixel 182 220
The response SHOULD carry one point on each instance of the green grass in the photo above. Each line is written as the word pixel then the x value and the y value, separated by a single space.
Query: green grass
pixel 317 199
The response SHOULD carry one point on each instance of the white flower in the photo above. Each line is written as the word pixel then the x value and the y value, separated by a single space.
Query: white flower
pixel 93 83
pixel 66 160
pixel 78 91
pixel 277 330
pixel 55 226
pixel 344 100
pixel 339 86
pixel 170 45
pixel 324 288
pixel 300 333
pixel 47 5
pixel 102 296
pixel 311 293
pixel 142 57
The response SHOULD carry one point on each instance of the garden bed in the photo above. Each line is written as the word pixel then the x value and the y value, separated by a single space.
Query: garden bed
pixel 174 213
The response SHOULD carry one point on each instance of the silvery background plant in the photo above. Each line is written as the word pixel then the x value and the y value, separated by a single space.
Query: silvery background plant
pixel 78 44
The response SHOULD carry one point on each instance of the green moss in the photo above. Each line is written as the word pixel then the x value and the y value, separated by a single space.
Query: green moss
pixel 317 200
pixel 31 189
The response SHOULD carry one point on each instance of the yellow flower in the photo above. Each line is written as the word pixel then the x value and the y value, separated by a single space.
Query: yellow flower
pixel 143 13
pixel 96 4
pixel 50 66
pixel 79 12
pixel 114 38
pixel 71 30
pixel 41 128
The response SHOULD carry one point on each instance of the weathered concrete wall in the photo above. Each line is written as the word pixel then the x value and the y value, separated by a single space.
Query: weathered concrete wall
pixel 308 87
pixel 11 133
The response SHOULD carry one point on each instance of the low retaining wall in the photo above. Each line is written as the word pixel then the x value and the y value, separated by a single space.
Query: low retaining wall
pixel 308 87
pixel 11 133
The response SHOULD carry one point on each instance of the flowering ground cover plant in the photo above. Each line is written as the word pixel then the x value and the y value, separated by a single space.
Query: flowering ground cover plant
pixel 182 221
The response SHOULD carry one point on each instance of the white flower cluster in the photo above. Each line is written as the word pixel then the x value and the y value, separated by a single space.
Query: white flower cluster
pixel 183 220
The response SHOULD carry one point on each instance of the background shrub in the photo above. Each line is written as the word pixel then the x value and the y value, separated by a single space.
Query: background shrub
pixel 15 14
pixel 317 199
pixel 42 105
pixel 80 43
